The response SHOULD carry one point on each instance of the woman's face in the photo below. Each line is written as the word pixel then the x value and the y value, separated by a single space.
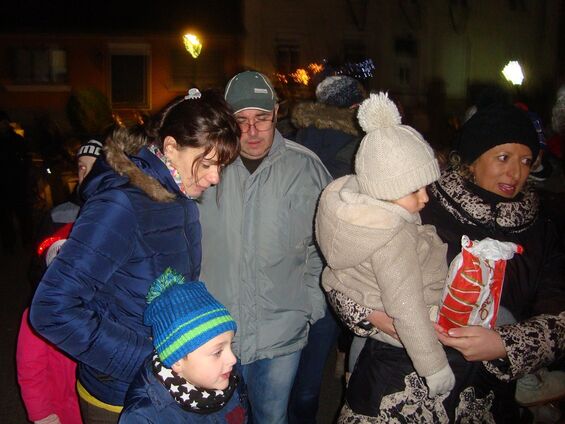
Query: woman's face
pixel 503 170
pixel 206 173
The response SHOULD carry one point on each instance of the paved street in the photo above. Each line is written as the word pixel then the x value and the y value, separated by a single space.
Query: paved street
pixel 15 297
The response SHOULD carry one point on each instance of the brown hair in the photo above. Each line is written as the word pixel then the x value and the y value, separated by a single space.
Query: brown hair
pixel 206 122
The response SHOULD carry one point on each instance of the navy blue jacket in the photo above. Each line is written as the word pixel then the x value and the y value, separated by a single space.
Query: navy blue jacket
pixel 148 401
pixel 90 301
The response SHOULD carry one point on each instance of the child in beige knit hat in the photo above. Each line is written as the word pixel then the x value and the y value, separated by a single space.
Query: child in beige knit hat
pixel 378 252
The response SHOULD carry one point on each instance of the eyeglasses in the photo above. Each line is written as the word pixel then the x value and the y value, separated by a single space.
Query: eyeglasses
pixel 261 123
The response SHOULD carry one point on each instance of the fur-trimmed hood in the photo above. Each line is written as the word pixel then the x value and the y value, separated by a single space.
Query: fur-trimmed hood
pixel 144 170
pixel 323 116
pixel 141 169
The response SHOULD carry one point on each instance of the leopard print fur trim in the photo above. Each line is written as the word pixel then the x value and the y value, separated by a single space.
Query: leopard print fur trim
pixel 412 405
pixel 529 345
pixel 513 216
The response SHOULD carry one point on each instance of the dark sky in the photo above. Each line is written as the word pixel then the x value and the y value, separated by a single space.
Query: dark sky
pixel 221 16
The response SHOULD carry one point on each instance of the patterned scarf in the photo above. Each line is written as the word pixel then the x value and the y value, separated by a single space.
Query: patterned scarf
pixel 174 173
pixel 470 204
pixel 189 397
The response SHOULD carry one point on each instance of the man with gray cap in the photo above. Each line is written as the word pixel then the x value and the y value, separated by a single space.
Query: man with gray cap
pixel 259 257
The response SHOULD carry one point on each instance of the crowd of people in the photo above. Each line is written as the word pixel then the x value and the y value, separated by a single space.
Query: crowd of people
pixel 208 265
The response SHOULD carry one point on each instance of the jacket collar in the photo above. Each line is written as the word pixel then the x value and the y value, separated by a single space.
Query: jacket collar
pixel 103 176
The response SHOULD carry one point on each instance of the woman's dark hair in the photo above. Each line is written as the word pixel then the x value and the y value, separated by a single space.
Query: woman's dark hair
pixel 206 121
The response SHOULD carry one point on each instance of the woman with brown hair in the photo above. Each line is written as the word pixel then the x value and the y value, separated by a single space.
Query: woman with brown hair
pixel 140 217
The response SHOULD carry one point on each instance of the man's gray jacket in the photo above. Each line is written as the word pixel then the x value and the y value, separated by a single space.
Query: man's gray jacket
pixel 259 257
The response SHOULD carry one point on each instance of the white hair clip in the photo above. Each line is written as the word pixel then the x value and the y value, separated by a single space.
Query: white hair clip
pixel 193 93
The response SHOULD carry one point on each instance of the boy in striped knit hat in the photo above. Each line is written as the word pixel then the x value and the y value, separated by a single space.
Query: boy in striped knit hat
pixel 192 376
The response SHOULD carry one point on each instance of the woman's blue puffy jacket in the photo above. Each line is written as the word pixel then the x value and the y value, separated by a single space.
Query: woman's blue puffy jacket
pixel 90 301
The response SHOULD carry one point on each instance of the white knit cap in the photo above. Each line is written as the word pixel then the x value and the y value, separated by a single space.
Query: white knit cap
pixel 393 160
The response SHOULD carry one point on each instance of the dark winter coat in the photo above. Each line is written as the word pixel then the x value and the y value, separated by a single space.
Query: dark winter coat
pixel 534 282
pixel 90 301
pixel 148 401
pixel 384 385
pixel 330 132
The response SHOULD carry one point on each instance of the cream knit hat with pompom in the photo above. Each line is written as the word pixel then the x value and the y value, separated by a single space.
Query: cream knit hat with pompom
pixel 393 160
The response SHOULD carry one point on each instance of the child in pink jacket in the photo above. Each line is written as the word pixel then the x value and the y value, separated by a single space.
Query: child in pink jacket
pixel 47 379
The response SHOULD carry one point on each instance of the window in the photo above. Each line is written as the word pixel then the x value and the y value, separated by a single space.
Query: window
pixel 40 65
pixel 288 57
pixel 129 76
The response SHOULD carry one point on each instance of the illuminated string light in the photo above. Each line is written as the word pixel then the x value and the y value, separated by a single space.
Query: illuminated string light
pixel 301 76
pixel 361 70
pixel 315 68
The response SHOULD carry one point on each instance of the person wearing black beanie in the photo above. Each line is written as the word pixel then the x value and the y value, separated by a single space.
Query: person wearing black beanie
pixel 483 195
pixel 494 125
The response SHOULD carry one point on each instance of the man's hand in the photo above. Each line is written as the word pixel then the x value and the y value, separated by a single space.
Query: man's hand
pixel 475 343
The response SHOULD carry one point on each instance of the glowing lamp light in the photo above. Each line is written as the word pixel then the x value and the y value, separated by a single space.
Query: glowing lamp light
pixel 513 72
pixel 192 44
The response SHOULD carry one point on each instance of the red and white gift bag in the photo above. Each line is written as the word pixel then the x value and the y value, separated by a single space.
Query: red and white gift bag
pixel 472 291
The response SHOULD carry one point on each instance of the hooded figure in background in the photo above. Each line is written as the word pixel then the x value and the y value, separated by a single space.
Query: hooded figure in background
pixel 328 126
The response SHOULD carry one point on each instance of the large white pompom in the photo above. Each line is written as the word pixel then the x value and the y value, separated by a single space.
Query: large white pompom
pixel 378 111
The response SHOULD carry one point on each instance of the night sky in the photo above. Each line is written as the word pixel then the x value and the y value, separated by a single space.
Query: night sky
pixel 220 16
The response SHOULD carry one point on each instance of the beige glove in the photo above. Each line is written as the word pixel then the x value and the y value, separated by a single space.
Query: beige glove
pixel 441 382
pixel 49 419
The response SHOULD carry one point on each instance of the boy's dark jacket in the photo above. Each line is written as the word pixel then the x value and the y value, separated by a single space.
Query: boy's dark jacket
pixel 90 301
pixel 148 401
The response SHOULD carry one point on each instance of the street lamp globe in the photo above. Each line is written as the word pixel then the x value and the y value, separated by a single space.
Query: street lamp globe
pixel 192 44
pixel 513 72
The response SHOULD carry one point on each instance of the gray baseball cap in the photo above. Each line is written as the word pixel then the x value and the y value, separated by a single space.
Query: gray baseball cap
pixel 250 90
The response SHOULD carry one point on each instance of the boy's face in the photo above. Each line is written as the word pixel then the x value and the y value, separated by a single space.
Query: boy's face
pixel 85 164
pixel 209 366
pixel 415 201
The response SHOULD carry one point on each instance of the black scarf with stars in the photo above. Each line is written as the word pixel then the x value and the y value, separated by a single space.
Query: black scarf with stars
pixel 189 397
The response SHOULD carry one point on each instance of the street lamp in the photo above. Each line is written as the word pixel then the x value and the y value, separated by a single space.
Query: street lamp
pixel 513 72
pixel 192 44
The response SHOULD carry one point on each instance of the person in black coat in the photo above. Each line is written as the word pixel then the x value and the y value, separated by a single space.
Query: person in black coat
pixel 483 194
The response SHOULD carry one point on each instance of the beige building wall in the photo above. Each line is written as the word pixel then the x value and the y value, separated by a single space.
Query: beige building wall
pixel 411 42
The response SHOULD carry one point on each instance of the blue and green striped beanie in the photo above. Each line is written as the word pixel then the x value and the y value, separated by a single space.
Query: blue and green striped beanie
pixel 184 316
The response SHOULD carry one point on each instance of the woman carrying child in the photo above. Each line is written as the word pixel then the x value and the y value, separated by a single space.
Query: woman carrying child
pixel 485 196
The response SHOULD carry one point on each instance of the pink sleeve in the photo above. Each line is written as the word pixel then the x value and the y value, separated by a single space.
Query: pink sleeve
pixel 31 363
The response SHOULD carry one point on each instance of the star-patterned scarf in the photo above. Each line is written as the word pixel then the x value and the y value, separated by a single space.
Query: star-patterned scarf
pixel 189 397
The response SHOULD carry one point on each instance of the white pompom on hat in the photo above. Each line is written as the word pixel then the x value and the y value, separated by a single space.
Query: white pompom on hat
pixel 393 160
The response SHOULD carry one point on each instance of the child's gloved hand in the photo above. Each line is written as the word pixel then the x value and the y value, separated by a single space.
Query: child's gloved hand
pixel 50 419
pixel 441 382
